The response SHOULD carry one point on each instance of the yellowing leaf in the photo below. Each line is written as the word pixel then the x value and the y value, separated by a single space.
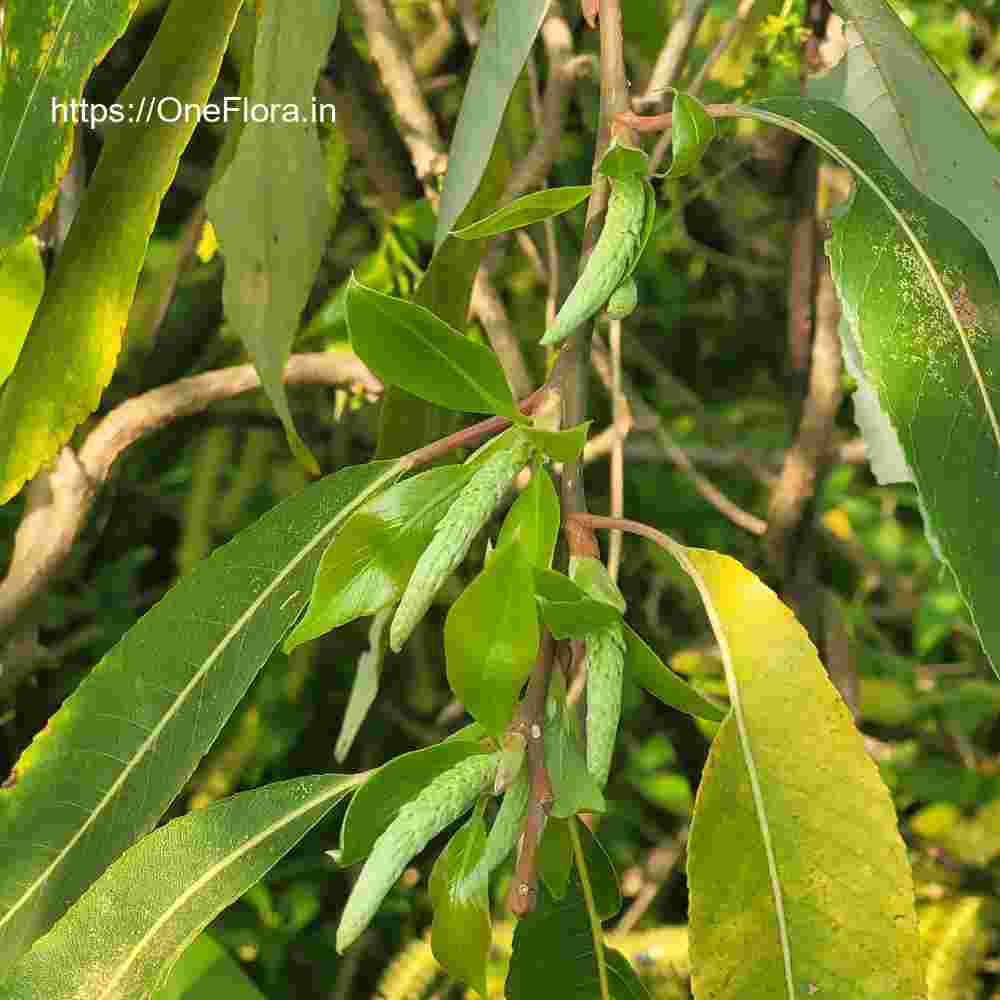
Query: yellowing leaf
pixel 71 350
pixel 208 243
pixel 799 881
pixel 270 207
pixel 22 278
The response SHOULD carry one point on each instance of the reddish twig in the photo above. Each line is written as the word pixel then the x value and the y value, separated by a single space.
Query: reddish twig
pixel 529 723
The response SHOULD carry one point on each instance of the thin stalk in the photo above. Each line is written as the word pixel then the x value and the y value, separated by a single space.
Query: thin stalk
pixel 597 932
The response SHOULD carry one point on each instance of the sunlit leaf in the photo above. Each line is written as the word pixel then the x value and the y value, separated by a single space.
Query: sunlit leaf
pixel 525 211
pixel 121 747
pixel 691 131
pixel 206 971
pixel 533 520
pixel 22 279
pixel 108 948
pixel 567 610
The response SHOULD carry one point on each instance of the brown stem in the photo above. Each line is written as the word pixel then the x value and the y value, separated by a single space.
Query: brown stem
pixel 529 723
pixel 670 62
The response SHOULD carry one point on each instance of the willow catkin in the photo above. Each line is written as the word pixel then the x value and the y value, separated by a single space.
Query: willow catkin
pixel 605 672
pixel 446 798
pixel 505 830
pixel 454 535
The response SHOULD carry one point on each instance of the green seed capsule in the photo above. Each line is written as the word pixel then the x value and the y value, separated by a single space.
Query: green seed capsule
pixel 446 798
pixel 454 535
pixel 623 299
pixel 615 255
pixel 605 671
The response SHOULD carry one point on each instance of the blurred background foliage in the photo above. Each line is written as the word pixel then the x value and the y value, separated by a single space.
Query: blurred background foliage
pixel 707 352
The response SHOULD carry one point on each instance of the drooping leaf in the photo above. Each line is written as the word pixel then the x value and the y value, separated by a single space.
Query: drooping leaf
pixel 573 786
pixel 270 208
pixel 108 948
pixel 691 131
pixel 407 345
pixel 370 561
pixel 376 803
pixel 651 673
pixel 562 446
pixel 799 878
pixel 555 856
pixel 533 520
pixel 120 748
pixel 491 637
pixel 364 687
pixel 462 932
pixel 503 49
pixel 554 954
pixel 525 211
pixel 927 130
pixel 923 300
pixel 49 51
pixel 206 971
pixel 601 872
pixel 22 279
pixel 70 353
pixel 567 610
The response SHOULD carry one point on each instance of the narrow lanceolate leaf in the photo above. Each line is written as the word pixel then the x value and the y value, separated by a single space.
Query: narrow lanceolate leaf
pixel 693 129
pixel 525 211
pixel 49 51
pixel 491 638
pixel 74 341
pixel 503 49
pixel 923 300
pixel 117 752
pixel 651 673
pixel 22 278
pixel 574 787
pixel 364 688
pixel 799 881
pixel 462 932
pixel 109 948
pixel 271 209
pixel 408 346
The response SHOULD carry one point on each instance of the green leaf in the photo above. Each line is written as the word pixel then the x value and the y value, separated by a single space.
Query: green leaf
pixel 794 856
pixel 574 787
pixel 554 955
pixel 593 578
pixel 525 211
pixel 136 727
pixel 270 207
pixel 184 874
pixel 621 161
pixel 491 638
pixel 923 301
pixel 916 114
pixel 206 971
pixel 461 933
pixel 651 673
pixel 364 687
pixel 375 804
pixel 407 345
pixel 502 52
pixel 567 611
pixel 601 872
pixel 369 562
pixel 555 856
pixel 70 353
pixel 533 520
pixel 562 446
pixel 49 51
pixel 691 132
pixel 22 280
